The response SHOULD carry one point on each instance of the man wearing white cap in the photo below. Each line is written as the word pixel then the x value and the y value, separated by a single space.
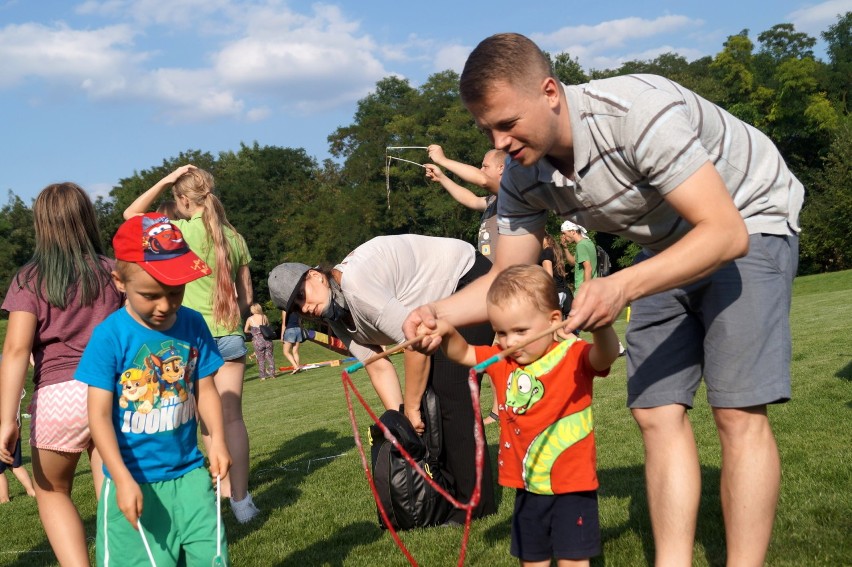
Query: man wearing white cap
pixel 585 259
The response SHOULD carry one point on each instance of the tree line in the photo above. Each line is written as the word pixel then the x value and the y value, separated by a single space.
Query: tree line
pixel 289 207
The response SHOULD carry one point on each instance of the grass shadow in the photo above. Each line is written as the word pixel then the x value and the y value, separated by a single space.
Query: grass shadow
pixel 334 549
pixel 279 475
pixel 845 373
pixel 629 483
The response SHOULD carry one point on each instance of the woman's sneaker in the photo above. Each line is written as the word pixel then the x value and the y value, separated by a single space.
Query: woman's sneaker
pixel 244 510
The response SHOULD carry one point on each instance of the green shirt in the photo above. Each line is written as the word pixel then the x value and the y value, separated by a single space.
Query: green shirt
pixel 199 293
pixel 585 253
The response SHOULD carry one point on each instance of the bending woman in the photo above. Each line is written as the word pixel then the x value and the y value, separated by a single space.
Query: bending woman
pixel 54 302
pixel 366 298
pixel 222 298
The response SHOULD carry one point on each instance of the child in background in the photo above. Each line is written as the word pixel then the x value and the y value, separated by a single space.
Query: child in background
pixel 17 467
pixel 547 440
pixel 148 368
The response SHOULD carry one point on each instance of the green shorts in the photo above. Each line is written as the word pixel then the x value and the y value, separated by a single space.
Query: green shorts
pixel 178 519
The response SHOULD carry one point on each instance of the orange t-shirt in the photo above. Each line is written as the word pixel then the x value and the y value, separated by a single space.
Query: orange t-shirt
pixel 547 438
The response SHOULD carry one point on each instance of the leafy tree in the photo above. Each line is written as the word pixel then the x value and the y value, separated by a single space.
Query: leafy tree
pixel 826 240
pixel 733 67
pixel 839 39
pixel 17 239
pixel 568 70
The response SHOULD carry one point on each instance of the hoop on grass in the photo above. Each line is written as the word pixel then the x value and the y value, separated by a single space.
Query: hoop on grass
pixel 479 459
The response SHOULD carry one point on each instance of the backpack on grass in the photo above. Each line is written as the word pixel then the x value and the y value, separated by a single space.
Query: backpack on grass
pixel 604 265
pixel 408 500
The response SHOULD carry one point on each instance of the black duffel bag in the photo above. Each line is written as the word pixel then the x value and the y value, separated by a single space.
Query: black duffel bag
pixel 408 500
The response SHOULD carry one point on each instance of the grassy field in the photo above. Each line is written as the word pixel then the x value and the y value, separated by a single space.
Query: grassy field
pixel 307 477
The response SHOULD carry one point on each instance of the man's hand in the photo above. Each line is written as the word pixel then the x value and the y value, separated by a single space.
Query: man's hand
pixel 597 304
pixel 436 153
pixel 423 320
pixel 413 416
pixel 433 172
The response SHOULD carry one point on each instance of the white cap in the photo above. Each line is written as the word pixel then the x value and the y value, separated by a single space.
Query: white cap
pixel 568 225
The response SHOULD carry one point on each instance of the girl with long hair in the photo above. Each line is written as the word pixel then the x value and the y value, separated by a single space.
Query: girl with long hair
pixel 223 298
pixel 553 260
pixel 54 302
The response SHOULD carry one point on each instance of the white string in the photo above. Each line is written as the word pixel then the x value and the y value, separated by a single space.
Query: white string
pixel 407 148
pixel 145 541
pixel 218 519
pixel 387 176
pixel 407 161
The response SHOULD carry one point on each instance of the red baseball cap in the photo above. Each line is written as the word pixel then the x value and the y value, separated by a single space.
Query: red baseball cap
pixel 158 247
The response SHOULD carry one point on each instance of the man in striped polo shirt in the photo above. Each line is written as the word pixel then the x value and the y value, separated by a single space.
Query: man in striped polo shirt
pixel 715 208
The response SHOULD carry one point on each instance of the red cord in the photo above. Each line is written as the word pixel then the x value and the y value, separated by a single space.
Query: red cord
pixel 479 438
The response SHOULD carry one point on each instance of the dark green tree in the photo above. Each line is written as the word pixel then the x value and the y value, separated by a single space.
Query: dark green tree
pixel 826 240
pixel 839 39
pixel 17 239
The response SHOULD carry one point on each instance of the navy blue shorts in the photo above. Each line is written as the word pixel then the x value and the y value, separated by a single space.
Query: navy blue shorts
pixel 564 526
pixel 16 459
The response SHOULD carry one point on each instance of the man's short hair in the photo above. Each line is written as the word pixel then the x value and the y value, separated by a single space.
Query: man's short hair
pixel 497 156
pixel 529 283
pixel 508 57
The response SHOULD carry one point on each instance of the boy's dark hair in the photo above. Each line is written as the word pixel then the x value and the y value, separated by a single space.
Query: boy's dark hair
pixel 524 282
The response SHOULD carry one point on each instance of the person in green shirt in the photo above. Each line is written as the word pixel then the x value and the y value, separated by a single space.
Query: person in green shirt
pixel 585 259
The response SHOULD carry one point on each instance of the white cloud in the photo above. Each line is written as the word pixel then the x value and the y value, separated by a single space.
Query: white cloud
pixel 816 19
pixel 95 60
pixel 99 189
pixel 173 13
pixel 187 94
pixel 452 57
pixel 613 33
pixel 600 62
pixel 303 61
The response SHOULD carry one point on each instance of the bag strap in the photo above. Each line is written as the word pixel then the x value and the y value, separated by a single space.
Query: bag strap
pixel 430 413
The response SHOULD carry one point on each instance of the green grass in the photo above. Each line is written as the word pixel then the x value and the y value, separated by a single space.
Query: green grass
pixel 308 479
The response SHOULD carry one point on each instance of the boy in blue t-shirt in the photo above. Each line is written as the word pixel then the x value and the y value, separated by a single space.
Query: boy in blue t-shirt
pixel 149 367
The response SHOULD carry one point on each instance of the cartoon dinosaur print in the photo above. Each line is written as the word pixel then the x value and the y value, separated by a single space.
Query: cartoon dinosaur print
pixel 523 390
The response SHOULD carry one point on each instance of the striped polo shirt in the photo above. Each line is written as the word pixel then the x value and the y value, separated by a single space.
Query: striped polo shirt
pixel 636 138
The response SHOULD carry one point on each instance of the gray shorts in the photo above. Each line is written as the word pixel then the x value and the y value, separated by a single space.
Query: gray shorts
pixel 231 347
pixel 732 327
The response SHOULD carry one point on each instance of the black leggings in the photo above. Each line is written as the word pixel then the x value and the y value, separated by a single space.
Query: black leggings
pixel 449 382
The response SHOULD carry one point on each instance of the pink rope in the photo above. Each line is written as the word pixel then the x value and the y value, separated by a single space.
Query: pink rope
pixel 479 438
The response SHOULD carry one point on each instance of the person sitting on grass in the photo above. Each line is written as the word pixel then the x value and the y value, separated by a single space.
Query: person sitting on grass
pixel 547 438
pixel 149 370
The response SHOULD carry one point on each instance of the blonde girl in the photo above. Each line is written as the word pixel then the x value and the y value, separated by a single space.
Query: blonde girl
pixel 54 302
pixel 222 298
pixel 262 345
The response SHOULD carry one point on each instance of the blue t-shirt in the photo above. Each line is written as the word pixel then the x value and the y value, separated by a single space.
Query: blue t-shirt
pixel 152 375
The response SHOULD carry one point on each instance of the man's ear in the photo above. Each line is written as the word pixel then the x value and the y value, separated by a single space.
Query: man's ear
pixel 551 88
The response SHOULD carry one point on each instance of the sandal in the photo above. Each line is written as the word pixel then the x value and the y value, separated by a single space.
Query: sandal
pixel 493 417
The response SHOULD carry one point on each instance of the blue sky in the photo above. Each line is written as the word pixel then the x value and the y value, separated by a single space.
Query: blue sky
pixel 94 90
